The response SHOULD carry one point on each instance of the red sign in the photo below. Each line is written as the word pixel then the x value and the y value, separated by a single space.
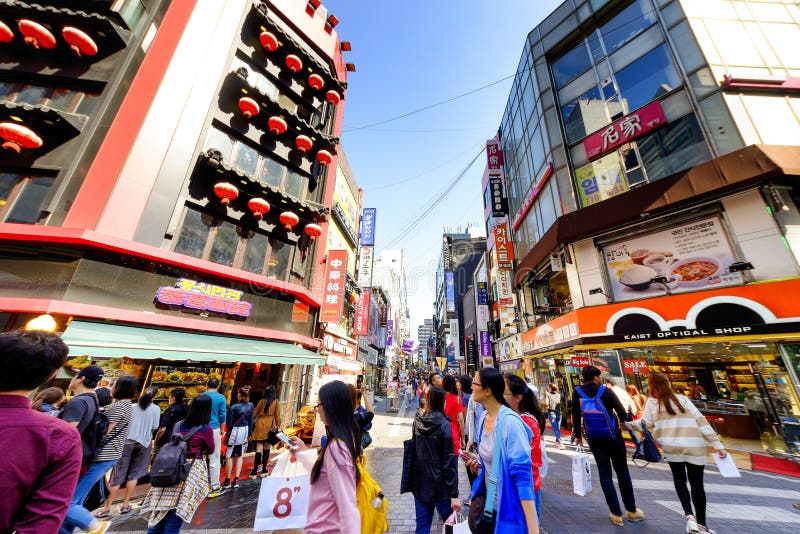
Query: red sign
pixel 532 194
pixel 361 321
pixel 494 155
pixel 503 246
pixel 580 361
pixel 333 292
pixel 635 366
pixel 624 130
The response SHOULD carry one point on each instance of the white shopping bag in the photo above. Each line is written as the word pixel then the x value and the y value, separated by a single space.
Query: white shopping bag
pixel 581 473
pixel 283 499
pixel 727 467
pixel 545 461
pixel 456 524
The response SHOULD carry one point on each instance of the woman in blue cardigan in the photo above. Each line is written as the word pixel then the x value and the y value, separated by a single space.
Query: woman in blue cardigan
pixel 514 505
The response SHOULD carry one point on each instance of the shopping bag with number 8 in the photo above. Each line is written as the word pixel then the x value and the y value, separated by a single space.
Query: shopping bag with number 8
pixel 283 499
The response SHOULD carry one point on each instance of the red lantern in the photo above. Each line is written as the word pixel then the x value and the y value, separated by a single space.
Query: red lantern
pixel 294 63
pixel 277 125
pixel 226 192
pixel 316 81
pixel 248 107
pixel 36 35
pixel 313 231
pixel 324 157
pixel 6 35
pixel 289 219
pixel 303 143
pixel 18 137
pixel 333 97
pixel 258 206
pixel 268 41
pixel 79 41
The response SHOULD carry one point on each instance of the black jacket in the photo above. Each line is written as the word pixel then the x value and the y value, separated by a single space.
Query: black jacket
pixel 436 466
pixel 610 400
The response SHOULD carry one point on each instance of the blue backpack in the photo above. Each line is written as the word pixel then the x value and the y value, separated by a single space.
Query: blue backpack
pixel 596 419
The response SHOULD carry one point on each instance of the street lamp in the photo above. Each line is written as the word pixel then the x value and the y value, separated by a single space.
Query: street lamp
pixel 44 322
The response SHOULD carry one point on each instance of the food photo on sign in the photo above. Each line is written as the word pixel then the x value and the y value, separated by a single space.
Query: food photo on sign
pixel 680 259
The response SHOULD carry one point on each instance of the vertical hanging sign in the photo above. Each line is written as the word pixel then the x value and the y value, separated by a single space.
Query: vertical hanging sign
pixel 503 247
pixel 331 309
pixel 361 320
pixel 494 155
pixel 367 236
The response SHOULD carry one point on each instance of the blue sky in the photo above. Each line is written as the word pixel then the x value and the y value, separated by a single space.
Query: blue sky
pixel 408 55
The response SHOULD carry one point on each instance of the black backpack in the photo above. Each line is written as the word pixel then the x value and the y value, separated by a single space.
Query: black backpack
pixel 93 437
pixel 170 466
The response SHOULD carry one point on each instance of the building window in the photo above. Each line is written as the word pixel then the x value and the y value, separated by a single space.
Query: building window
pixel 133 13
pixel 675 147
pixel 59 98
pixel 632 21
pixel 584 115
pixel 571 64
pixel 22 197
pixel 647 78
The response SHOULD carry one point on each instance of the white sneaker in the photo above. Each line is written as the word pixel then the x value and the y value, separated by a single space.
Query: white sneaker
pixel 707 530
pixel 691 525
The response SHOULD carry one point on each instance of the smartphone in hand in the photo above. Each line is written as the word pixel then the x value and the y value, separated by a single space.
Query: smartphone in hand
pixel 284 438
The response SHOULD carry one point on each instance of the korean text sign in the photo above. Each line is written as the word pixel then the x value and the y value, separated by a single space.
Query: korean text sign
pixel 333 292
pixel 503 247
pixel 200 297
pixel 625 129
pixel 361 320
pixel 367 237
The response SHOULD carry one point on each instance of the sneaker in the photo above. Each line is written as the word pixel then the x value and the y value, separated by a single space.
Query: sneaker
pixel 638 515
pixel 616 519
pixel 263 474
pixel 216 492
pixel 691 525
pixel 226 484
pixel 701 528
pixel 236 482
pixel 103 527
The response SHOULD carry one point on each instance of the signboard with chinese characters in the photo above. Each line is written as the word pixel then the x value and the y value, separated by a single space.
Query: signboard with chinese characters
pixel 536 188
pixel 494 155
pixel 333 291
pixel 201 297
pixel 498 196
pixel 361 319
pixel 690 257
pixel 504 295
pixel 600 179
pixel 503 247
pixel 455 337
pixel 450 291
pixel 626 129
pixel 365 255
pixel 580 361
pixel 367 236
pixel 635 366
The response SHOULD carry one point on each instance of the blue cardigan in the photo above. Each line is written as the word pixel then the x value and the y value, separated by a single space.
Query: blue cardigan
pixel 515 476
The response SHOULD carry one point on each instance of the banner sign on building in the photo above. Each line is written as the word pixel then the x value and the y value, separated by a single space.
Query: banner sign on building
pixel 486 343
pixel 503 247
pixel 361 320
pixel 498 195
pixel 600 179
pixel 504 295
pixel 409 345
pixel 494 155
pixel 333 292
pixel 456 338
pixel 450 291
pixel 365 255
pixel 624 130
pixel 367 236
pixel 690 257
pixel 389 332
pixel 199 297
pixel 483 294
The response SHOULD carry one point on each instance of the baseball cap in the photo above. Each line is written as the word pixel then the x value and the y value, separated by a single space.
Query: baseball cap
pixel 93 373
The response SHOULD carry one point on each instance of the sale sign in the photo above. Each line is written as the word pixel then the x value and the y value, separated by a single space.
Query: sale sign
pixel 580 361
pixel 333 291
pixel 635 366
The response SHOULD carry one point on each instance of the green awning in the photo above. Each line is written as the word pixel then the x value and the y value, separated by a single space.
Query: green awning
pixel 113 340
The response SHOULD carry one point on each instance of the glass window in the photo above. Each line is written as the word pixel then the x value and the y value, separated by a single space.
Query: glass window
pixel 631 22
pixel 219 141
pixel 571 64
pixel 7 89
pixel 194 234
pixel 225 242
pixel 287 103
pixel 254 253
pixel 675 147
pixel 595 46
pixel 271 173
pixel 584 115
pixel 279 259
pixel 245 159
pixel 7 184
pixel 88 103
pixel 647 78
pixel 548 210
pixel 31 94
pixel 601 179
pixel 294 184
pixel 134 14
pixel 266 87
pixel 27 196
pixel 62 99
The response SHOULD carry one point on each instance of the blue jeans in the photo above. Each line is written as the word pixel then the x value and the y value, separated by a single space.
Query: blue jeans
pixel 77 515
pixel 555 420
pixel 171 524
pixel 425 513
pixel 608 452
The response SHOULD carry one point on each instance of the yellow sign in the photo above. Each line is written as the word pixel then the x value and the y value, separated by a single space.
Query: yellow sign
pixel 600 180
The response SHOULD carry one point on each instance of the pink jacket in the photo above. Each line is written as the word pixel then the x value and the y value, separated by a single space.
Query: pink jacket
pixel 333 508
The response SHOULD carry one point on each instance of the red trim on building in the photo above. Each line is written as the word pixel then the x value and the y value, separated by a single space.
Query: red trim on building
pixel 102 176
pixel 90 239
pixel 90 311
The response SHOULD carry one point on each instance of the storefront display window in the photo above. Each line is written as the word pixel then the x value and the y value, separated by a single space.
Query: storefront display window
pixel 647 78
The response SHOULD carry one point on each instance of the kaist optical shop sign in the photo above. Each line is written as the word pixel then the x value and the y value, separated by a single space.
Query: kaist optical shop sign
pixel 201 297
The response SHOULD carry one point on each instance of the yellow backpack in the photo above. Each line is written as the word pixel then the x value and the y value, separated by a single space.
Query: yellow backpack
pixel 371 502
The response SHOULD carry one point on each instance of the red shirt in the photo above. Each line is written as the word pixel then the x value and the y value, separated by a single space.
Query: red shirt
pixel 453 407
pixel 536 449
pixel 39 467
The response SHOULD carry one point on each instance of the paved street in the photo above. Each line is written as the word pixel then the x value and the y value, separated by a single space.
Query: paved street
pixel 755 503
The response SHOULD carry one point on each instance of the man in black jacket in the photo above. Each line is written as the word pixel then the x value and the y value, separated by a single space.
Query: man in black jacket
pixel 435 465
pixel 607 451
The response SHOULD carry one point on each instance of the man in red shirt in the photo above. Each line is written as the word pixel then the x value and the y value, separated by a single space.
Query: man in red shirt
pixel 42 454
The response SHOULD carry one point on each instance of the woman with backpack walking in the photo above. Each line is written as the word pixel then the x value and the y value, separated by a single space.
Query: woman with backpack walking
pixel 240 427
pixel 435 466
pixel 520 399
pixel 335 474
pixel 684 434
pixel 167 508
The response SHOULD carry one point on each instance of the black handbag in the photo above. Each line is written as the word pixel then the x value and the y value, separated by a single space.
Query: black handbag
pixel 409 455
pixel 480 522
pixel 647 449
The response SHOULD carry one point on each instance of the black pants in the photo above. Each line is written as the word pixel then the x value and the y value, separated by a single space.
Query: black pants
pixel 608 452
pixel 698 496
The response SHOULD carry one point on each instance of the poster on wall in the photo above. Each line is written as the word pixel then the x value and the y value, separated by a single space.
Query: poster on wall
pixel 690 257
pixel 600 180
pixel 456 339
pixel 450 291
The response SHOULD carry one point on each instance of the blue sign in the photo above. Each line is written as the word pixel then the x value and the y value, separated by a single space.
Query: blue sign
pixel 483 294
pixel 450 291
pixel 367 237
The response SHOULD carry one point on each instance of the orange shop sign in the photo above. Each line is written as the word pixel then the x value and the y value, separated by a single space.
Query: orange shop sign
pixel 503 247
pixel 557 331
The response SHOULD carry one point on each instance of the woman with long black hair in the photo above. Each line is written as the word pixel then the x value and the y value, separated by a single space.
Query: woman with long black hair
pixel 267 416
pixel 454 410
pixel 334 476
pixel 520 399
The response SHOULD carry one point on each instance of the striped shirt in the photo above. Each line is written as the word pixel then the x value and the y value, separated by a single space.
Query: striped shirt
pixel 119 414
pixel 683 436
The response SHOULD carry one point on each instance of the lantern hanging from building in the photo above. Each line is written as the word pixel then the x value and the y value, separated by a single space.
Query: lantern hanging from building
pixel 226 192
pixel 333 97
pixel 315 81
pixel 268 41
pixel 258 206
pixel 289 219
pixel 324 157
pixel 36 35
pixel 303 143
pixel 79 41
pixel 248 107
pixel 277 125
pixel 17 137
pixel 294 63
pixel 6 35
pixel 313 230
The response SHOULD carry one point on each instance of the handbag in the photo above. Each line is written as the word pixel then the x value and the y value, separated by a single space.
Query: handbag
pixel 647 449
pixel 229 431
pixel 482 516
pixel 366 439
pixel 456 524
pixel 409 455
pixel 581 473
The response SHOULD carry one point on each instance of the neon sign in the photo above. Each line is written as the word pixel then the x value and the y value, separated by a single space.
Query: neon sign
pixel 199 296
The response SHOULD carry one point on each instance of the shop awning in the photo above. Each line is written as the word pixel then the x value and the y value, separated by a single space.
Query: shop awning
pixel 112 340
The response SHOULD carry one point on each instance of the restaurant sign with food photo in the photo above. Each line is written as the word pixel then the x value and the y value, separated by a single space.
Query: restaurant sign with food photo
pixel 690 257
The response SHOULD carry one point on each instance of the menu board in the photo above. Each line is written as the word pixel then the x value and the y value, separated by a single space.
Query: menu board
pixel 690 257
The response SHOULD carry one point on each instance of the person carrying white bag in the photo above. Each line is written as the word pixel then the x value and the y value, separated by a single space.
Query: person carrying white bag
pixel 581 473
